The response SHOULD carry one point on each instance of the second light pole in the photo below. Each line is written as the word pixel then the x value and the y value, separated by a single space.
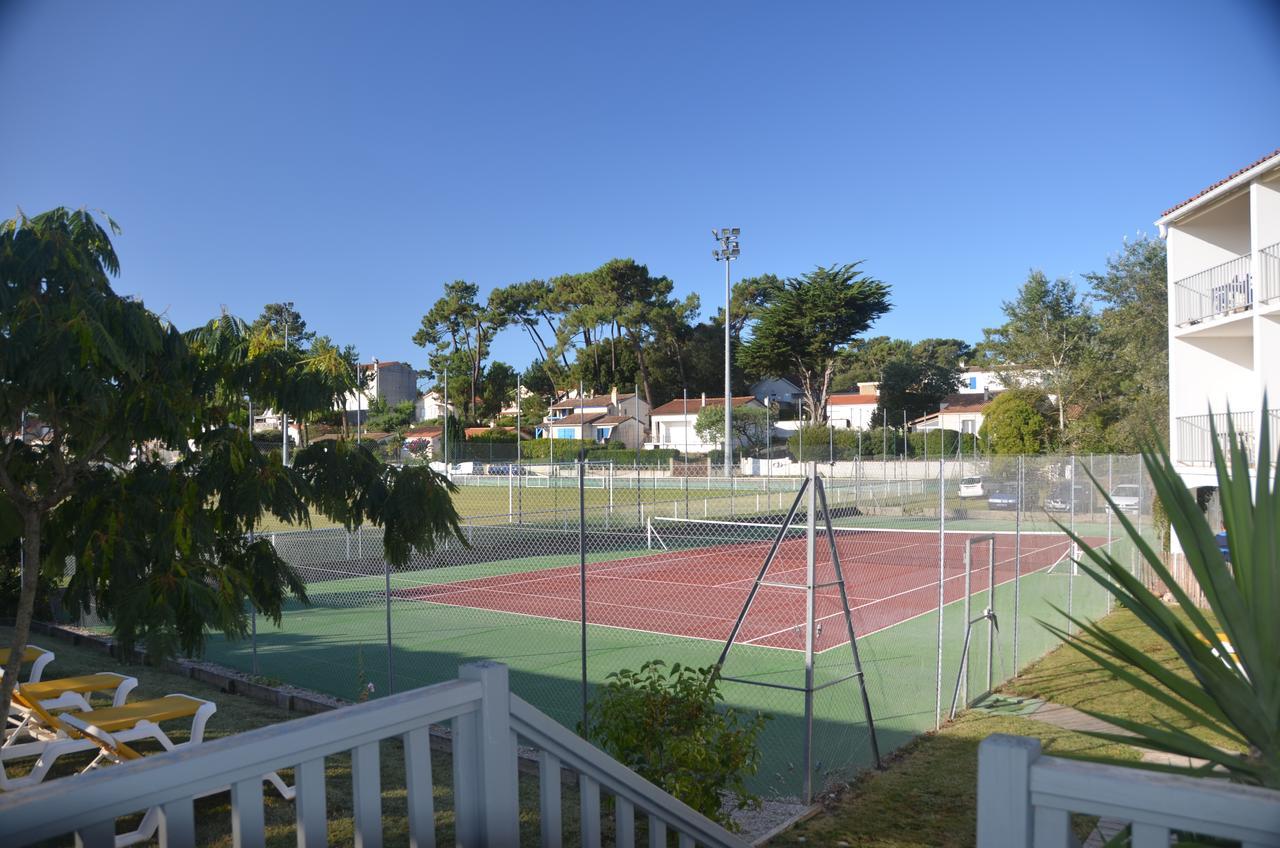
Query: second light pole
pixel 728 251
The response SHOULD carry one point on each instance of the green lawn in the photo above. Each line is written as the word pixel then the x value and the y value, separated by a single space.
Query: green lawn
pixel 928 794
pixel 1068 677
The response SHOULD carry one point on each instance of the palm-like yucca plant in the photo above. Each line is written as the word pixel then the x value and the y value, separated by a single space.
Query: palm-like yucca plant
pixel 1237 697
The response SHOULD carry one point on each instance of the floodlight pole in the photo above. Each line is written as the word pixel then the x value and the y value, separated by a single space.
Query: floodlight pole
pixel 728 251
pixel 284 416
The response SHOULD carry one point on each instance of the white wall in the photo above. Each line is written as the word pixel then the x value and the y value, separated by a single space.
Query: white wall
pixel 1211 238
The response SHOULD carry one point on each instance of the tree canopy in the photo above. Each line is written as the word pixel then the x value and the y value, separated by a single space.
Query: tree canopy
pixel 131 461
pixel 1044 343
pixel 1015 422
pixel 809 321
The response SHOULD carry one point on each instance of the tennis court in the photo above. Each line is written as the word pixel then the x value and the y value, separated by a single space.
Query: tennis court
pixel 696 583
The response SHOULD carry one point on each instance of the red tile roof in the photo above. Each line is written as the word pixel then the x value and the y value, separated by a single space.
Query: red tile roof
pixel 677 406
pixel 423 432
pixel 575 419
pixel 846 399
pixel 611 420
pixel 1220 182
pixel 598 400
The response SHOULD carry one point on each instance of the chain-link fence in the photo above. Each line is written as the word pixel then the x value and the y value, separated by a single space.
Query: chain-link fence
pixel 571 572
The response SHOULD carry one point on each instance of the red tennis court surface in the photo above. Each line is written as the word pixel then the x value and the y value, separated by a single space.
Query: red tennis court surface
pixel 890 576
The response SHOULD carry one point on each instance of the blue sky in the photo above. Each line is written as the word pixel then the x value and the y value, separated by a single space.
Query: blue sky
pixel 355 157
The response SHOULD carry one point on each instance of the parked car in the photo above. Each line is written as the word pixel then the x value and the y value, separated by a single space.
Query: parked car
pixel 971 487
pixel 1003 498
pixel 1128 497
pixel 1060 499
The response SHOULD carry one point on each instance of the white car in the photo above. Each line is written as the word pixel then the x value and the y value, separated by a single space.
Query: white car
pixel 1127 497
pixel 971 487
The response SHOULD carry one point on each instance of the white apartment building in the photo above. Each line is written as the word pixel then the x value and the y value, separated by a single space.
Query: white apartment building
pixel 1224 312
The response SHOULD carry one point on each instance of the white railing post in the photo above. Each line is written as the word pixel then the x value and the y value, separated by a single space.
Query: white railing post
pixel 497 803
pixel 1004 790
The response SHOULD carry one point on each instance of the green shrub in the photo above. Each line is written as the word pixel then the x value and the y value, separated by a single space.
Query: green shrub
pixel 671 728
pixel 627 456
pixel 823 444
pixel 948 442
pixel 566 450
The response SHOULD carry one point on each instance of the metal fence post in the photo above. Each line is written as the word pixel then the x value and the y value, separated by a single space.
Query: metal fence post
pixel 942 576
pixel 391 678
pixel 1017 559
pixel 1071 569
pixel 810 536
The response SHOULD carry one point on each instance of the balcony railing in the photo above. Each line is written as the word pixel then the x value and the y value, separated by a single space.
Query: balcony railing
pixel 1269 259
pixel 1195 438
pixel 1219 290
pixel 1025 798
pixel 488 723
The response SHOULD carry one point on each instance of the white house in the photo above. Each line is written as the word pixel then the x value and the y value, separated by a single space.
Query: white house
pixel 960 412
pixel 852 410
pixel 391 382
pixel 427 440
pixel 430 406
pixel 778 389
pixel 1224 312
pixel 613 418
pixel 673 423
pixel 977 380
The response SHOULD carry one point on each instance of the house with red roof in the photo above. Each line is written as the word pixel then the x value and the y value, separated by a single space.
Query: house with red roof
pixel 673 423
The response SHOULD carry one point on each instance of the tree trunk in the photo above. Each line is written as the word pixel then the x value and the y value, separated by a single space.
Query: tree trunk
pixel 26 607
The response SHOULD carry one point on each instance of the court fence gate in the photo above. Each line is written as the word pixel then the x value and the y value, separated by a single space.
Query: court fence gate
pixel 586 580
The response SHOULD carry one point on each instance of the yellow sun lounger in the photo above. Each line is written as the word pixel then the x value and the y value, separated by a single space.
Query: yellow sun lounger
pixel 109 730
pixel 29 733
pixel 38 658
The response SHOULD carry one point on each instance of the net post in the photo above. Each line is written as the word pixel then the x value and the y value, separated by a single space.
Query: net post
pixel 810 539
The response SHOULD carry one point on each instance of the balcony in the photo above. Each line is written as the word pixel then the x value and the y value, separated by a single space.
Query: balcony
pixel 1221 290
pixel 1195 438
pixel 1269 260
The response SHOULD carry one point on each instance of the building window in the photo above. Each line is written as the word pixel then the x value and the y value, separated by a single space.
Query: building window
pixel 966 426
pixel 973 382
pixel 566 433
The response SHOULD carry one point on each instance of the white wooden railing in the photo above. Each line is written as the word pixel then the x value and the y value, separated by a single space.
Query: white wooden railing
pixel 488 723
pixel 1026 799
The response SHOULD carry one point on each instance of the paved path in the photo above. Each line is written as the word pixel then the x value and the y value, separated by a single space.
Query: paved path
pixel 1069 718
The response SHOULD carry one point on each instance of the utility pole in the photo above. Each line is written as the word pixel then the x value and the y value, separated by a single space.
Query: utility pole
pixel 728 251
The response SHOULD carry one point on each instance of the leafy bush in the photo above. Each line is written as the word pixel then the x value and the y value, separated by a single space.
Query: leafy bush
pixel 626 456
pixel 670 727
pixel 1016 423
pixel 949 442
pixel 566 450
